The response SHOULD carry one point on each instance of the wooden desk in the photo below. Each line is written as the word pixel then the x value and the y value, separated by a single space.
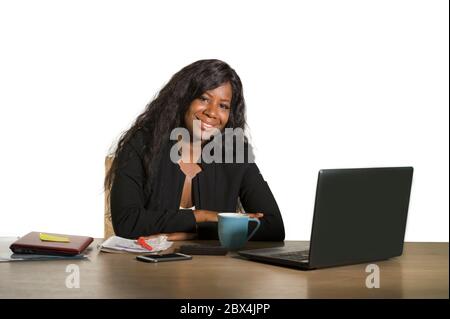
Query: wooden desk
pixel 422 272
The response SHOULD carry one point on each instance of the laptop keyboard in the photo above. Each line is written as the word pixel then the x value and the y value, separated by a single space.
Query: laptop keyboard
pixel 293 255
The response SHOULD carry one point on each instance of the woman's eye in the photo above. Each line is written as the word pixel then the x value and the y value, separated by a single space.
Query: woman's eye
pixel 202 98
pixel 224 106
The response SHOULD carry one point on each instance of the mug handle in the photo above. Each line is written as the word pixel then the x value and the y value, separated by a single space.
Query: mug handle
pixel 258 223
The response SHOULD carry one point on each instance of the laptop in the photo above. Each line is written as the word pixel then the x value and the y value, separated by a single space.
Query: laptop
pixel 359 217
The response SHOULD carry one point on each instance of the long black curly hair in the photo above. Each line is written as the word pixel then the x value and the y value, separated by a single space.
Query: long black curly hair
pixel 168 108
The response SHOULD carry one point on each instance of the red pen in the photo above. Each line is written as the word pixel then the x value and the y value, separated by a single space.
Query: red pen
pixel 141 241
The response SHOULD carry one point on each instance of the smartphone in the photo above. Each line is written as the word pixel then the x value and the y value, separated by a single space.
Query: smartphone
pixel 164 257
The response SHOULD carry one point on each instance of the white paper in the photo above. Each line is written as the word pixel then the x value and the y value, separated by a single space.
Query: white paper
pixel 116 243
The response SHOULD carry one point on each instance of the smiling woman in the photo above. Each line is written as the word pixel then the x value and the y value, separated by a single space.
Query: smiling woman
pixel 150 194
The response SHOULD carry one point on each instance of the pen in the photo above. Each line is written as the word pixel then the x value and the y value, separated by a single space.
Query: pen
pixel 141 241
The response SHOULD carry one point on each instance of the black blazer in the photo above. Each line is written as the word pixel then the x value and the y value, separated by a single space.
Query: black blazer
pixel 138 210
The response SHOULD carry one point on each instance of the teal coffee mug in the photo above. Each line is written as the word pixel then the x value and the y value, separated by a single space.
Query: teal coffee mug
pixel 233 230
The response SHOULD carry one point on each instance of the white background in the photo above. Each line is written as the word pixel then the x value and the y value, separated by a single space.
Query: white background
pixel 328 84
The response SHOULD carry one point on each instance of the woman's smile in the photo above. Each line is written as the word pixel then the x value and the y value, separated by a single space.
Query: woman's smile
pixel 207 125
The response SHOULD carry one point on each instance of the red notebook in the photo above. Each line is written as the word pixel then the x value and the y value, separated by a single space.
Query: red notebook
pixel 32 244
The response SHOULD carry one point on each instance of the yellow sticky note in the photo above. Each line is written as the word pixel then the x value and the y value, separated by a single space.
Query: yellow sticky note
pixel 54 238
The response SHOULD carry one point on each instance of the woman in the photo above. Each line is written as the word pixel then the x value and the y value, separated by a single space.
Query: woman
pixel 153 194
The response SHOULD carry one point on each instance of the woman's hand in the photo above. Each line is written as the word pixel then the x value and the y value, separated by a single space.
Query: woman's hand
pixel 174 236
pixel 255 215
pixel 202 216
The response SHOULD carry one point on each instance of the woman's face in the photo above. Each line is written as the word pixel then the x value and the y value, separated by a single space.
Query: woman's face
pixel 212 108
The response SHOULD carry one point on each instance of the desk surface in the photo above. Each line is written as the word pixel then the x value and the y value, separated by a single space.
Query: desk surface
pixel 421 272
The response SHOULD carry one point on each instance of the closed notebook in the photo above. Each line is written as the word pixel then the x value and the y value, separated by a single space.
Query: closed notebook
pixel 33 244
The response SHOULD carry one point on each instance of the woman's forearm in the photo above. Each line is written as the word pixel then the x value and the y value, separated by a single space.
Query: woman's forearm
pixel 202 216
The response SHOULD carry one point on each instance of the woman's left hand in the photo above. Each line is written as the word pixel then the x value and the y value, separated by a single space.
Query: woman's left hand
pixel 255 215
pixel 175 236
